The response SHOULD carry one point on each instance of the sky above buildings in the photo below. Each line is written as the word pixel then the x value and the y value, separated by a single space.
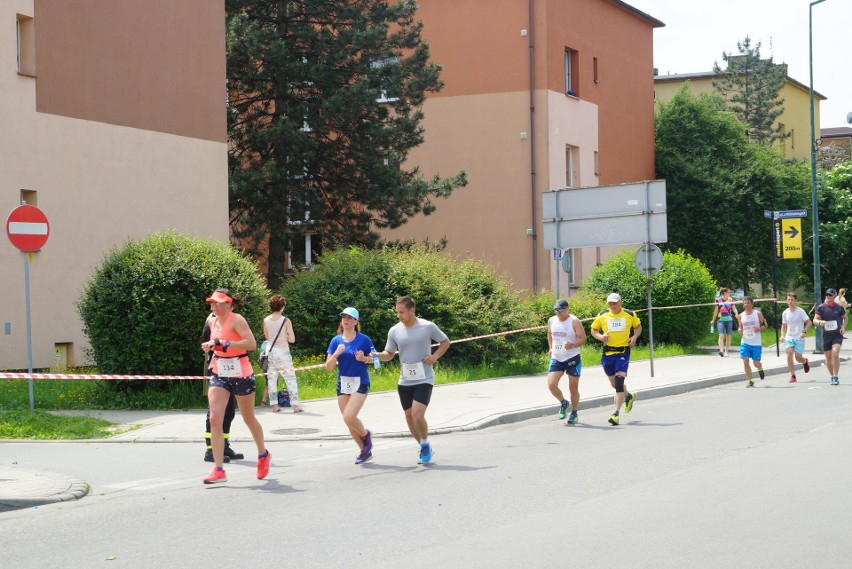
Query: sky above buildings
pixel 698 31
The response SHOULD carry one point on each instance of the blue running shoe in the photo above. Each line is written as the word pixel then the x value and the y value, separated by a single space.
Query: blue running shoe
pixel 426 452
pixel 363 457
pixel 368 442
pixel 572 418
pixel 563 409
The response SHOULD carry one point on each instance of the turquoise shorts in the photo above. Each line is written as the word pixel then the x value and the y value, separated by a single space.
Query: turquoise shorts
pixel 798 345
pixel 753 352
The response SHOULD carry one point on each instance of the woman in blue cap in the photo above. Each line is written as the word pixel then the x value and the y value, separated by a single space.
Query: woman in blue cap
pixel 350 352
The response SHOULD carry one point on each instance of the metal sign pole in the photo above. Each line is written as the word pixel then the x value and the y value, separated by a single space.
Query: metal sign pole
pixel 648 274
pixel 29 328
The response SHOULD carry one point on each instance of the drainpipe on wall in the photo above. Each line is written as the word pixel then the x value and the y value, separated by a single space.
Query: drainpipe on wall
pixel 534 220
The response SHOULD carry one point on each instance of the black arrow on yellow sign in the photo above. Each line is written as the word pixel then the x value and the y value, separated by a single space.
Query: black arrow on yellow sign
pixel 791 232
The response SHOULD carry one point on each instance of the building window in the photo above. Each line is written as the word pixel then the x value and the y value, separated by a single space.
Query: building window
pixel 387 72
pixel 595 68
pixel 597 167
pixel 26 45
pixel 29 197
pixel 569 166
pixel 572 83
pixel 783 130
pixel 305 251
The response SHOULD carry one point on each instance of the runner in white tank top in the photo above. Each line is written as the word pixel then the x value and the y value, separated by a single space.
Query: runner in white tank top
pixel 565 335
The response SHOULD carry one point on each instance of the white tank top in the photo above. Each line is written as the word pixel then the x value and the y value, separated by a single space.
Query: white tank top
pixel 750 322
pixel 273 326
pixel 563 334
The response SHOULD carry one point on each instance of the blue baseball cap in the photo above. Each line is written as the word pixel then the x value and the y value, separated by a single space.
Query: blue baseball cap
pixel 349 311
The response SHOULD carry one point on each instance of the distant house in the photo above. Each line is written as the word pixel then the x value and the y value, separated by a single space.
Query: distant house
pixel 539 95
pixel 795 120
pixel 113 123
pixel 837 138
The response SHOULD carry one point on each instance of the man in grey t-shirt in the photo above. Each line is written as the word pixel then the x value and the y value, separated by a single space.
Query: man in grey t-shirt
pixel 412 337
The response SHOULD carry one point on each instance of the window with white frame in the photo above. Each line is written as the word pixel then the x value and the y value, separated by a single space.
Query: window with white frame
pixel 571 72
pixel 387 71
pixel 570 173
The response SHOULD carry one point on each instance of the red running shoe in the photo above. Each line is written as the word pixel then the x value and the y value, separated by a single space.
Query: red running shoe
pixel 218 475
pixel 807 366
pixel 263 466
pixel 792 379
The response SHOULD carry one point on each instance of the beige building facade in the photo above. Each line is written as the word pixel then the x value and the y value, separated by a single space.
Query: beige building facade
pixel 539 95
pixel 113 124
pixel 795 120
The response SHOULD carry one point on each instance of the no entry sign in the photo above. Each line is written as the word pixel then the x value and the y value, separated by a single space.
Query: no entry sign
pixel 27 228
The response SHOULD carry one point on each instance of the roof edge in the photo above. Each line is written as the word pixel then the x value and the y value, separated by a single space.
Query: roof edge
pixel 654 21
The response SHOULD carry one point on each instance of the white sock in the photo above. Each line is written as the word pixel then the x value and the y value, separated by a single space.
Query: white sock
pixel 424 441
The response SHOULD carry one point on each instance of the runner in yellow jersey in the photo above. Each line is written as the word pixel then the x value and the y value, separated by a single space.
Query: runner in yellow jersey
pixel 618 329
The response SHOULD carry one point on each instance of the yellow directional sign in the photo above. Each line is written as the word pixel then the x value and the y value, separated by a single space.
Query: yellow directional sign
pixel 791 238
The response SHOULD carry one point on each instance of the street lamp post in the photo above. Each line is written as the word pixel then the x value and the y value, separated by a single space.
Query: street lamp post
pixel 814 202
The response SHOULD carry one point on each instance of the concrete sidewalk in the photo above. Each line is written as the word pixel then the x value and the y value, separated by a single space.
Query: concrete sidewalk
pixel 456 407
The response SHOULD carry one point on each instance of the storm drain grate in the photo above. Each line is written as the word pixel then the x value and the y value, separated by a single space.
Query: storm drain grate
pixel 295 431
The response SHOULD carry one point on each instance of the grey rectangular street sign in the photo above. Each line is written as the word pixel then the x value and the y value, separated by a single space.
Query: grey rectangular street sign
pixel 605 215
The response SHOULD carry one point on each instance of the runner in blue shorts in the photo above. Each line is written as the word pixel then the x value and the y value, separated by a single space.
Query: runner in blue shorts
pixel 751 324
pixel 619 330
pixel 795 323
pixel 565 335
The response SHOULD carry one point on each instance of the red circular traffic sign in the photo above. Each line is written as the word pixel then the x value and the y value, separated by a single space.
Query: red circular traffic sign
pixel 27 228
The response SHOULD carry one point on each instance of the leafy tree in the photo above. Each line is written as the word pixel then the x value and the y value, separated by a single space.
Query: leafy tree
pixel 752 87
pixel 835 229
pixel 325 102
pixel 682 280
pixel 143 309
pixel 718 186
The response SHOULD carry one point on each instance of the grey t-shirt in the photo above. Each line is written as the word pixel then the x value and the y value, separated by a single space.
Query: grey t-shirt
pixel 414 344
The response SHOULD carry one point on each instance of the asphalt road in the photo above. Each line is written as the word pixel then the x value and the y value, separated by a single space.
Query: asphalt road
pixel 724 477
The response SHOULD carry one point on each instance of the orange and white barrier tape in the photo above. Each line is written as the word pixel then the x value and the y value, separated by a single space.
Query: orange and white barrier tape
pixel 6 375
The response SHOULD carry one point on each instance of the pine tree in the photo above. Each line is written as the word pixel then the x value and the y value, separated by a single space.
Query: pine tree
pixel 325 103
pixel 752 87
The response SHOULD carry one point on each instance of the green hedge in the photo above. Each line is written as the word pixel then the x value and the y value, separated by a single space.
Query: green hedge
pixel 463 297
pixel 143 309
pixel 683 280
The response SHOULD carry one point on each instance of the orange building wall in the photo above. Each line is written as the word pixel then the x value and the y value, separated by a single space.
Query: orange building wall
pixel 623 44
pixel 99 61
pixel 479 43
pixel 480 122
